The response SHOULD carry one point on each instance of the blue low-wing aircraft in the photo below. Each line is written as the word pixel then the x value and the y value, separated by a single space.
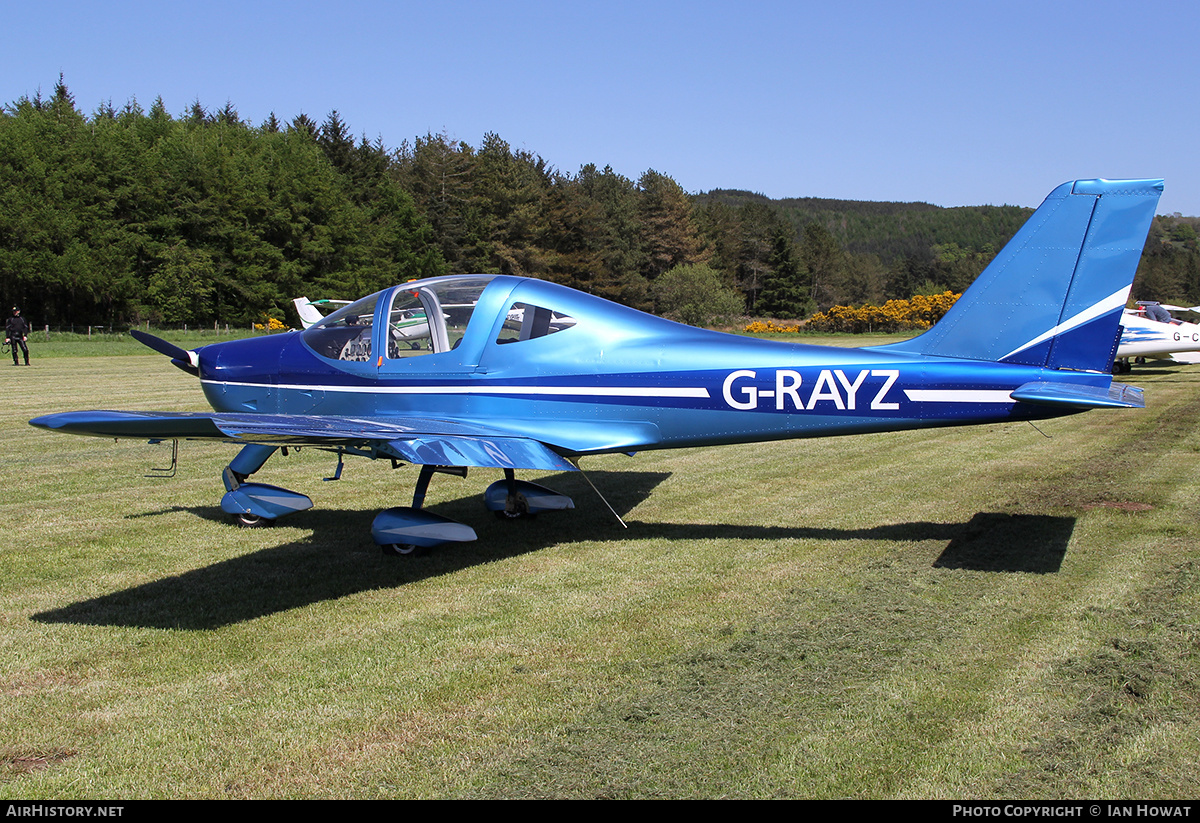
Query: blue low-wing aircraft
pixel 516 373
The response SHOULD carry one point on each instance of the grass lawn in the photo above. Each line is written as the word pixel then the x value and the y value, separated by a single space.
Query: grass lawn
pixel 988 612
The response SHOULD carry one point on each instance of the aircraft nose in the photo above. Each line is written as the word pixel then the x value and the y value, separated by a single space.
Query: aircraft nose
pixel 253 359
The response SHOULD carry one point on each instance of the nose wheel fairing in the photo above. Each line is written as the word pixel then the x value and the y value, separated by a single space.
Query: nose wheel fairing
pixel 406 526
pixel 263 502
pixel 255 504
pixel 402 529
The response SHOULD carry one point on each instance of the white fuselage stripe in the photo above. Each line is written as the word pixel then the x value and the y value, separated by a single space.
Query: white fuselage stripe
pixel 572 391
pixel 915 395
pixel 959 395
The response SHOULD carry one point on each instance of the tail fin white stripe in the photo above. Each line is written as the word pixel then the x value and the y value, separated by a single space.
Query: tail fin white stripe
pixel 1115 300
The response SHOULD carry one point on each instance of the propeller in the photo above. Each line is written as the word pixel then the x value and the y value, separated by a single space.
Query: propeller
pixel 189 361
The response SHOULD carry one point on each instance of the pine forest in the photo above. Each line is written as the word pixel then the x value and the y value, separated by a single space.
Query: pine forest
pixel 128 216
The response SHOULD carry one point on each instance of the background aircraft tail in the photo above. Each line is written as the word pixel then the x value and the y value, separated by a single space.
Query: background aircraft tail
pixel 1053 296
pixel 309 316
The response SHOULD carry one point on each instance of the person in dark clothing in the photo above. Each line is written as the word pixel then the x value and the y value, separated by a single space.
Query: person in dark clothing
pixel 1156 312
pixel 16 332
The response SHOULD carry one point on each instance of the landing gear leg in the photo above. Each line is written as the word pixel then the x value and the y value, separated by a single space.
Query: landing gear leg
pixel 422 486
pixel 515 504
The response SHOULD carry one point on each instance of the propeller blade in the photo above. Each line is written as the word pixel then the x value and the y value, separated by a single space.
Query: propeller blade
pixel 189 361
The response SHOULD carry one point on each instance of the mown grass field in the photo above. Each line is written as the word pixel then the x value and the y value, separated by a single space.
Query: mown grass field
pixel 962 613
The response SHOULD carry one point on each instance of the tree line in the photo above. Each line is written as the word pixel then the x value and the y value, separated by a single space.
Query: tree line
pixel 127 216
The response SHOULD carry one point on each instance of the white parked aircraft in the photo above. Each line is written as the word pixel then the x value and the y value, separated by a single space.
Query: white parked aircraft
pixel 1150 331
pixel 310 315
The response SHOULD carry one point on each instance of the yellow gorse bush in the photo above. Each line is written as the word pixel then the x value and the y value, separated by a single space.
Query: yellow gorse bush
pixel 271 325
pixel 771 325
pixel 918 312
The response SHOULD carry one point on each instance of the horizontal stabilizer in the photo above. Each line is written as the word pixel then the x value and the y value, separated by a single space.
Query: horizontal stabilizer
pixel 1073 396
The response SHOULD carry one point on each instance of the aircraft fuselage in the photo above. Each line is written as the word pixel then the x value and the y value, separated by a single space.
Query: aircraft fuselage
pixel 660 384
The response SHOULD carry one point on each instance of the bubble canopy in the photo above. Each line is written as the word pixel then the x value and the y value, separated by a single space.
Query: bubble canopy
pixel 423 316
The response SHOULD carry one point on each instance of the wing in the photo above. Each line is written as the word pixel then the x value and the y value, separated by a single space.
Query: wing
pixel 413 440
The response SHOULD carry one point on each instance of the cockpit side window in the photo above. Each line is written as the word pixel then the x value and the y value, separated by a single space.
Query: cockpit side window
pixel 432 315
pixel 345 334
pixel 419 317
pixel 528 322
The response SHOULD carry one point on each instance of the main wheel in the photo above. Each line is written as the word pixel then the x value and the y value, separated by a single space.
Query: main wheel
pixel 504 514
pixel 401 550
pixel 248 520
pixel 516 507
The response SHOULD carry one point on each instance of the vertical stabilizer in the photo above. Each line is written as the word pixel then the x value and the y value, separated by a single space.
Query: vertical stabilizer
pixel 1053 296
pixel 309 316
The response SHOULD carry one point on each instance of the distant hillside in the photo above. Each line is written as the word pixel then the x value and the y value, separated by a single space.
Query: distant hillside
pixel 922 244
pixel 890 230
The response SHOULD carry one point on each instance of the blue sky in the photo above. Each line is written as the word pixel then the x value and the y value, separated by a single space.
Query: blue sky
pixel 953 103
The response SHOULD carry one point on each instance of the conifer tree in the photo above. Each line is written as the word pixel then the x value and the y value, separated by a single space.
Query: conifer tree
pixel 786 291
pixel 668 231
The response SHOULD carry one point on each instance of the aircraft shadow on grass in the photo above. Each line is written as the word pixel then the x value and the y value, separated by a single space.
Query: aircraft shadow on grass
pixel 336 562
